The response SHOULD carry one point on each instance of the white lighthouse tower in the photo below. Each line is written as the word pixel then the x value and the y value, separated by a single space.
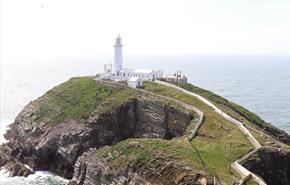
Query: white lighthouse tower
pixel 118 63
pixel 116 71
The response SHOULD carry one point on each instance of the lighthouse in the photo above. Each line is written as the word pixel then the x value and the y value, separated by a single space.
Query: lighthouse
pixel 116 71
pixel 118 63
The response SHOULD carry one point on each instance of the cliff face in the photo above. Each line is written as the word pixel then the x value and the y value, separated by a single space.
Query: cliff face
pixel 56 147
pixel 276 133
pixel 271 164
pixel 127 166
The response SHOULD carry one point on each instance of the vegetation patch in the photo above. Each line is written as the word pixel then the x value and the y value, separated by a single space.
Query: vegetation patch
pixel 79 98
pixel 238 112
pixel 233 109
pixel 146 151
pixel 215 136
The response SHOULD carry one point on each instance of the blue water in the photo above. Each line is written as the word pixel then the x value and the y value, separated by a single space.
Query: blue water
pixel 259 83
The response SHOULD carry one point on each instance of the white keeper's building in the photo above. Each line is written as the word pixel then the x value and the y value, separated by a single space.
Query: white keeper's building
pixel 118 72
pixel 135 82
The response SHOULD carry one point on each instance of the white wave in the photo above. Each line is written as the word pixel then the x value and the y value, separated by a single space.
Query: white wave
pixel 38 178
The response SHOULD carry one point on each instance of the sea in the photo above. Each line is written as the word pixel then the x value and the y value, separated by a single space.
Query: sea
pixel 259 83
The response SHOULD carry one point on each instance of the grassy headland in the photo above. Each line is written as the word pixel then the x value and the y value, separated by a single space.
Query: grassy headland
pixel 78 98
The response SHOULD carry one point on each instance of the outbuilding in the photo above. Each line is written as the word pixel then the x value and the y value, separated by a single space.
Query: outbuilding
pixel 145 74
pixel 135 82
pixel 175 79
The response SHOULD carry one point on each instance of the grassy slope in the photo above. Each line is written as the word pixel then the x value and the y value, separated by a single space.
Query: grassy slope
pixel 173 148
pixel 236 111
pixel 231 108
pixel 78 98
pixel 215 135
pixel 81 97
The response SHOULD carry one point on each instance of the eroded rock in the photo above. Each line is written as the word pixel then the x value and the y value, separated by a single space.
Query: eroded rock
pixel 56 147
pixel 273 165
pixel 96 167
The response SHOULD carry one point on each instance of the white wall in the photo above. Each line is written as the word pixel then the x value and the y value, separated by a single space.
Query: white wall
pixel 118 63
pixel 132 84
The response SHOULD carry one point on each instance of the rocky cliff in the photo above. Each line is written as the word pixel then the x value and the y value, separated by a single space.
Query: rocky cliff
pixel 271 164
pixel 56 146
pixel 131 162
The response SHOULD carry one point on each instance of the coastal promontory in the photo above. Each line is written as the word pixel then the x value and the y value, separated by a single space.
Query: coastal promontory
pixel 101 132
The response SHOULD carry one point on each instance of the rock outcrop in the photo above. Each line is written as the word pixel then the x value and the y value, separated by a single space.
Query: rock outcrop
pixel 272 164
pixel 99 167
pixel 56 147
pixel 276 133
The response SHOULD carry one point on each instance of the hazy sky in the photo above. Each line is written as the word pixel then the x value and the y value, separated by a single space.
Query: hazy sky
pixel 52 28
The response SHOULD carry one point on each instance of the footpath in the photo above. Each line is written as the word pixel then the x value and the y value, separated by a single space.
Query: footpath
pixel 244 173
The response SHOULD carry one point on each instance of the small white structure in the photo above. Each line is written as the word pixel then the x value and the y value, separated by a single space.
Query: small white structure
pixel 108 68
pixel 174 78
pixel 107 75
pixel 135 82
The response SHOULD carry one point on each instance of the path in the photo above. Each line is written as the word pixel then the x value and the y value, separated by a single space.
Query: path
pixel 218 111
pixel 245 173
pixel 193 131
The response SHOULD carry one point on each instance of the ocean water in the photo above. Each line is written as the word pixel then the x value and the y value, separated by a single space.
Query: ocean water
pixel 259 83
pixel 39 178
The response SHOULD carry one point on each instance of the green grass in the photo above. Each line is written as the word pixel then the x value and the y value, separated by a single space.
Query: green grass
pixel 227 106
pixel 121 155
pixel 238 112
pixel 251 182
pixel 79 98
pixel 214 136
